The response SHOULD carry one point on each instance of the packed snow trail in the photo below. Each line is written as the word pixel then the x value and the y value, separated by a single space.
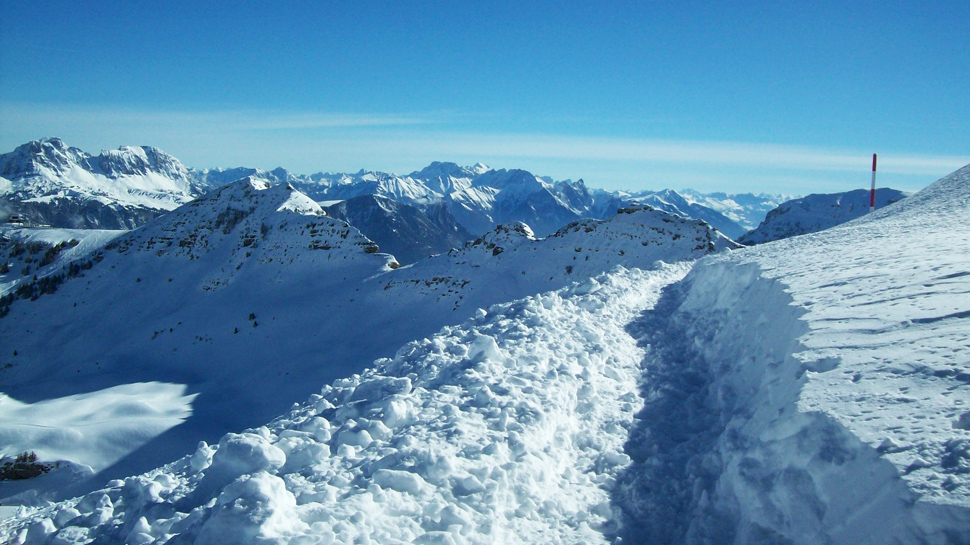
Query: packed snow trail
pixel 812 390
pixel 508 428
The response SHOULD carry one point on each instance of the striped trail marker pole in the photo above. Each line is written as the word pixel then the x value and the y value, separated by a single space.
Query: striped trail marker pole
pixel 872 192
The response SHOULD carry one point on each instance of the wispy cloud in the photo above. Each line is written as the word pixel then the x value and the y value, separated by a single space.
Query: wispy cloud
pixel 708 153
pixel 19 114
pixel 309 142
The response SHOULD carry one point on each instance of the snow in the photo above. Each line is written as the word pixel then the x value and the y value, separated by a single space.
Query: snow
pixel 77 244
pixel 817 212
pixel 506 428
pixel 745 209
pixel 238 292
pixel 127 176
pixel 51 183
pixel 94 429
pixel 808 390
pixel 821 381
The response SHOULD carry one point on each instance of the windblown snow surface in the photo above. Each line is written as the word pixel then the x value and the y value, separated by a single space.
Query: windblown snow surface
pixel 811 390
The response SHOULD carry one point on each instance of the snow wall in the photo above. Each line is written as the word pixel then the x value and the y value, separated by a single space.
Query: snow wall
pixel 722 454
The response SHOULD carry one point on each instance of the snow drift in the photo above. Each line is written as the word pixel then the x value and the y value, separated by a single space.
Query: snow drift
pixel 812 390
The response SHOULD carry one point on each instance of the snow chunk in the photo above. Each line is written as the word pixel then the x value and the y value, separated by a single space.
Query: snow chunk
pixel 402 481
pixel 238 454
pixel 256 508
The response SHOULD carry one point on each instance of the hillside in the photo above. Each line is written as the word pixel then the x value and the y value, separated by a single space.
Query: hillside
pixel 249 298
pixel 410 233
pixel 813 389
pixel 768 396
pixel 817 212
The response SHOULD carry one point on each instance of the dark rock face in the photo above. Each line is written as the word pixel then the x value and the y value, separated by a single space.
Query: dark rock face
pixel 81 214
pixel 409 233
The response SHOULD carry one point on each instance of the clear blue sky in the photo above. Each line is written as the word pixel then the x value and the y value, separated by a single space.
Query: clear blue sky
pixel 636 95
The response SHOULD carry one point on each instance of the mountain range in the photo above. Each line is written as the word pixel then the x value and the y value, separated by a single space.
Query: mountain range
pixel 46 182
pixel 639 379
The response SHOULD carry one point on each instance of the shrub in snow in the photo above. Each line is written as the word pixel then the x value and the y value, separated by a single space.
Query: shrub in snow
pixel 24 466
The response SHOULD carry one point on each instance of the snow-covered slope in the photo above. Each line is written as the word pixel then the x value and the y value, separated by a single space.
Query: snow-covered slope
pixel 505 429
pixel 479 198
pixel 191 299
pixel 338 187
pixel 508 262
pixel 50 183
pixel 813 390
pixel 817 212
pixel 810 390
pixel 252 298
pixel 408 232
pixel 26 253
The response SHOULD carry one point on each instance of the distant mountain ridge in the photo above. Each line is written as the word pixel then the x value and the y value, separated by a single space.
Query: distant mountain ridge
pixel 48 182
pixel 409 233
pixel 481 198
pixel 817 212
pixel 670 201
pixel 745 209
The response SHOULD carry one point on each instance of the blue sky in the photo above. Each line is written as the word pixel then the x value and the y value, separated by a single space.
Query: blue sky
pixel 635 95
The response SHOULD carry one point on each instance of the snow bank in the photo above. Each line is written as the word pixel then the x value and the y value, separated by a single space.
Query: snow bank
pixel 94 429
pixel 508 428
pixel 78 435
pixel 812 390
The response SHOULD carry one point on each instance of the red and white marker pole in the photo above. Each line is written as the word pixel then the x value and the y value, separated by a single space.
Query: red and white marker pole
pixel 872 192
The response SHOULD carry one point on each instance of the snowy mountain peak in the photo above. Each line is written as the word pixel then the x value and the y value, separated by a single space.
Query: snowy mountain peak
pixel 258 194
pixel 436 169
pixel 54 184
pixel 138 161
pixel 36 156
pixel 817 212
pixel 521 180
pixel 250 218
pixel 444 169
pixel 646 225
